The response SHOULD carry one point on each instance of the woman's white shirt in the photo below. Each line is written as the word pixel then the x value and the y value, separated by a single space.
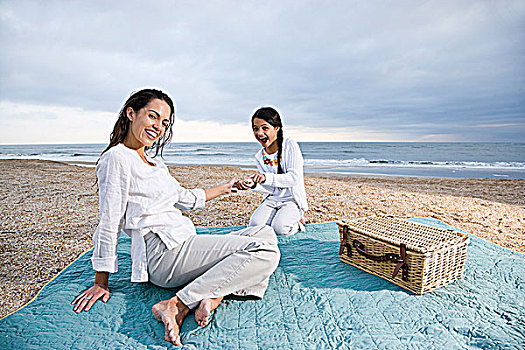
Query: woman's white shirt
pixel 291 181
pixel 139 198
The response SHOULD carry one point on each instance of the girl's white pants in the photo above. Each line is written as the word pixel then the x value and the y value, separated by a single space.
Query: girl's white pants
pixel 282 216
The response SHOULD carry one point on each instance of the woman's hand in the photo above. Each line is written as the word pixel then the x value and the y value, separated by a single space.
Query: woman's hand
pixel 221 189
pixel 229 186
pixel 86 300
pixel 258 178
pixel 99 290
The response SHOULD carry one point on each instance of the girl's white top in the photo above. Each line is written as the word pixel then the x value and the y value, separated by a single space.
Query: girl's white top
pixel 139 198
pixel 279 186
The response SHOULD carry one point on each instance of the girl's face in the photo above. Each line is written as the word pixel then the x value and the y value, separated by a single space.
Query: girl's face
pixel 266 134
pixel 148 124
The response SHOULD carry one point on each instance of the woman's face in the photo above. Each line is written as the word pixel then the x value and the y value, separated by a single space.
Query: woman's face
pixel 148 124
pixel 266 134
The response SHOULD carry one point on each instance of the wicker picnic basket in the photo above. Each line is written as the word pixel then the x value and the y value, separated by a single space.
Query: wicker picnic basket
pixel 414 256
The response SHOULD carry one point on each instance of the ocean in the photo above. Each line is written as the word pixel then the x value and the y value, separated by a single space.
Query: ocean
pixel 423 159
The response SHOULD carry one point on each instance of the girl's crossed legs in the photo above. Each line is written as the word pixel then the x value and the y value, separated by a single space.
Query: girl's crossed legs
pixel 282 216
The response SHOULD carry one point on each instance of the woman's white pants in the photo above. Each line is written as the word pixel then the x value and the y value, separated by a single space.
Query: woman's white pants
pixel 212 266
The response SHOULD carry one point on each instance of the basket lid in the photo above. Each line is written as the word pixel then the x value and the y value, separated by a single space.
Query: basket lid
pixel 418 237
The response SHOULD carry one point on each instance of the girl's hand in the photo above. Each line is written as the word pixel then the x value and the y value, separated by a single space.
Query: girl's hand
pixel 258 178
pixel 246 184
pixel 86 299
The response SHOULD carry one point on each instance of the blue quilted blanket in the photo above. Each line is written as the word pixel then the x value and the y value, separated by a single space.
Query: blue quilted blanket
pixel 314 301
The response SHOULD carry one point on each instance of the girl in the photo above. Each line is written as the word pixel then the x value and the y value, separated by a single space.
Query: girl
pixel 138 194
pixel 280 176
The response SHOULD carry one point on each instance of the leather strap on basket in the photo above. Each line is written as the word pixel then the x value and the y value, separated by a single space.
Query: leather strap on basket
pixel 400 258
pixel 401 264
pixel 344 242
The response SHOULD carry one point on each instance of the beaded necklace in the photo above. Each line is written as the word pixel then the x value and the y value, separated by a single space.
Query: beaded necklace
pixel 272 162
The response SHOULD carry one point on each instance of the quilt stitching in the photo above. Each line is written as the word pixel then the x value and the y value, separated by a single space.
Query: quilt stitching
pixel 321 298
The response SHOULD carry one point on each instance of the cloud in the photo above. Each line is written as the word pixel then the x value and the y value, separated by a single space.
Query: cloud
pixel 346 134
pixel 370 65
pixel 440 138
pixel 31 123
pixel 34 124
pixel 508 125
pixel 203 131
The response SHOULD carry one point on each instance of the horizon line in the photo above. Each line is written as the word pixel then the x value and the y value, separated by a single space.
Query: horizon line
pixel 218 142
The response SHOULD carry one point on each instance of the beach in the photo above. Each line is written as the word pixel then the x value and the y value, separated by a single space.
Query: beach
pixel 49 211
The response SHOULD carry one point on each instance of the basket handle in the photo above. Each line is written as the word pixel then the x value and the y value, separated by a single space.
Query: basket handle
pixel 344 242
pixel 400 258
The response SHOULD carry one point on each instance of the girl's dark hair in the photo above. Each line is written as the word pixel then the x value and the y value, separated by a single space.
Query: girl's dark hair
pixel 272 117
pixel 137 101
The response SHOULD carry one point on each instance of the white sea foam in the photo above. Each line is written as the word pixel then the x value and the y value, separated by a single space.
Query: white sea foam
pixel 362 162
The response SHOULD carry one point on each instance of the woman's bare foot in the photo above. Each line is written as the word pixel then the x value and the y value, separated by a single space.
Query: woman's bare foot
pixel 203 312
pixel 171 312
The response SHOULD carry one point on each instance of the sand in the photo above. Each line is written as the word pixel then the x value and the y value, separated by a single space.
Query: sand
pixel 49 211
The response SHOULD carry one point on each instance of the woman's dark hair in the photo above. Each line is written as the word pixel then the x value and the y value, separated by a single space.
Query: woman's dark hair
pixel 272 117
pixel 137 101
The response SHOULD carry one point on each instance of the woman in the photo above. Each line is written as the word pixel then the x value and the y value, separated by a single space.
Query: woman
pixel 280 176
pixel 138 195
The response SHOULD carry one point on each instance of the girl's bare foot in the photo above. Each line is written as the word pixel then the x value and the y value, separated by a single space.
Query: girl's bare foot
pixel 203 312
pixel 171 312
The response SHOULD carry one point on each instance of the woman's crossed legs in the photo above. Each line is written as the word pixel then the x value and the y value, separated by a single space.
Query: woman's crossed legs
pixel 214 266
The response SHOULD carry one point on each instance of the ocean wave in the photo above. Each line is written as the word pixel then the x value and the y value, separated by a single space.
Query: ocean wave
pixel 185 149
pixel 52 156
pixel 362 162
pixel 460 160
pixel 199 155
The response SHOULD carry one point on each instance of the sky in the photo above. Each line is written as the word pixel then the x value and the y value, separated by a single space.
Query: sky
pixel 447 70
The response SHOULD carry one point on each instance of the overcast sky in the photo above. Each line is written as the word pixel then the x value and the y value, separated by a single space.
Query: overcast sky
pixel 336 70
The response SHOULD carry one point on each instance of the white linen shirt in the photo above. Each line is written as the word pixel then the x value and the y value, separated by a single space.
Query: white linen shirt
pixel 292 178
pixel 139 198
